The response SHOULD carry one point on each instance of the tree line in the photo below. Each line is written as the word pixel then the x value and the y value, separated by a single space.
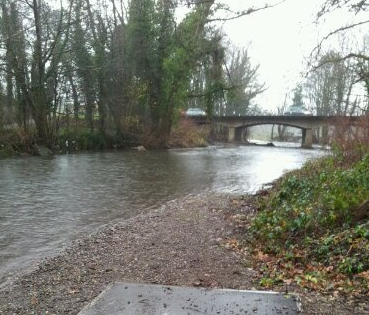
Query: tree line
pixel 117 66
pixel 122 67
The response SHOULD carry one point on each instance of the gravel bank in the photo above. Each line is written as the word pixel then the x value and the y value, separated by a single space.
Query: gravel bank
pixel 182 243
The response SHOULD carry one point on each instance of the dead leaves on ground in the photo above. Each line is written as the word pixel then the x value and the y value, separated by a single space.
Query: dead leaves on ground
pixel 298 266
pixel 275 269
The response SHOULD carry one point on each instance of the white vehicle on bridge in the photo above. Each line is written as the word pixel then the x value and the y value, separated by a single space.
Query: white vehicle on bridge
pixel 195 112
pixel 297 111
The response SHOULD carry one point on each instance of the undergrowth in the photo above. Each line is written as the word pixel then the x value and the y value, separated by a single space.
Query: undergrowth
pixel 16 142
pixel 83 139
pixel 312 228
pixel 188 135
pixel 320 197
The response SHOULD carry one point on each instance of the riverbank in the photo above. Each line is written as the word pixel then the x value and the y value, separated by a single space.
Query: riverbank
pixel 15 142
pixel 186 242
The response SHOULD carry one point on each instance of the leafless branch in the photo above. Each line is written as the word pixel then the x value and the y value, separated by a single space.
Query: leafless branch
pixel 353 5
pixel 318 48
pixel 248 11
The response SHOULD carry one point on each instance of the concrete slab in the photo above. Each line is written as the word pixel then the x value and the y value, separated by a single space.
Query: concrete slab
pixel 147 299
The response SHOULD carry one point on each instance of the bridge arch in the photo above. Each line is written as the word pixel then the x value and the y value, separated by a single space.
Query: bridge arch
pixel 305 123
pixel 236 133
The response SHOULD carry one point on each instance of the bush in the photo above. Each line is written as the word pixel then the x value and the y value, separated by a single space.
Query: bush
pixel 188 134
pixel 314 223
pixel 81 140
pixel 351 143
pixel 314 226
pixel 319 197
pixel 15 142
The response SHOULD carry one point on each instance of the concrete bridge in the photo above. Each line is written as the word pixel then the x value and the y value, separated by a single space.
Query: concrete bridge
pixel 236 124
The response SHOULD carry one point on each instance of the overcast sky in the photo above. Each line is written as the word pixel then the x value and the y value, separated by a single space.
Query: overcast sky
pixel 281 39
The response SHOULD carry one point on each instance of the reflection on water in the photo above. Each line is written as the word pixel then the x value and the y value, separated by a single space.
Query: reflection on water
pixel 46 203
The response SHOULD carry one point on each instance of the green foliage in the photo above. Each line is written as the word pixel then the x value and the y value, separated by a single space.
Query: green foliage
pixel 81 140
pixel 347 249
pixel 319 197
pixel 317 219
pixel 351 265
pixel 141 39
pixel 175 80
pixel 112 65
pixel 313 227
pixel 267 282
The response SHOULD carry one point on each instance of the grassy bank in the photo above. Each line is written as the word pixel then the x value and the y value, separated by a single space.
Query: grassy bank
pixel 312 227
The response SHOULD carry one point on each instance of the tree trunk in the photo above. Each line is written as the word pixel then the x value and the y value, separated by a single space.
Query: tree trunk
pixel 39 114
pixel 272 134
pixel 89 112
pixel 101 105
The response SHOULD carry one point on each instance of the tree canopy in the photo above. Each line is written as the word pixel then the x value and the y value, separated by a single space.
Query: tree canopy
pixel 115 67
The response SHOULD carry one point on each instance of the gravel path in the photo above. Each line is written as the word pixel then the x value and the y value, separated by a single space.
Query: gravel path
pixel 182 243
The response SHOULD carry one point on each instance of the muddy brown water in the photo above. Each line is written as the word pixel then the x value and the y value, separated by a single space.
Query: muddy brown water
pixel 45 203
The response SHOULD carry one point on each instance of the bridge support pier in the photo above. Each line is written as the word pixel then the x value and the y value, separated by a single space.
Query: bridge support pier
pixel 307 138
pixel 231 134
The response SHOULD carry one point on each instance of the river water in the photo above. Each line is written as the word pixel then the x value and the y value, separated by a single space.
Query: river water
pixel 45 203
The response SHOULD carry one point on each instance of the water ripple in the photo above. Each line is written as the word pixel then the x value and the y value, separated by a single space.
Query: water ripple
pixel 46 203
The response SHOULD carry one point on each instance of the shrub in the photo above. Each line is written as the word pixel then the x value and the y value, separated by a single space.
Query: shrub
pixel 81 140
pixel 351 143
pixel 16 141
pixel 318 217
pixel 188 134
pixel 319 197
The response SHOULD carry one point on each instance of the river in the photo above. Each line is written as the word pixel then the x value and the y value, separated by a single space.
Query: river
pixel 45 203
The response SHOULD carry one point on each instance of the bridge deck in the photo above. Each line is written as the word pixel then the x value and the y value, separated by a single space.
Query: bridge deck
pixel 295 121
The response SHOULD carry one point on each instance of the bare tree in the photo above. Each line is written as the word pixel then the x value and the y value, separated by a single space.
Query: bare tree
pixel 331 85
pixel 356 57
pixel 34 56
pixel 353 5
pixel 241 81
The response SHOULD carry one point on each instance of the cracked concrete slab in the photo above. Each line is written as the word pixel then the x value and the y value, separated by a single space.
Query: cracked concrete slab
pixel 149 299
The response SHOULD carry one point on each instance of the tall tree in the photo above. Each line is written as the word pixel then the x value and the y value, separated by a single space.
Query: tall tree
pixel 165 57
pixel 330 86
pixel 120 104
pixel 83 63
pixel 242 82
pixel 297 99
pixel 355 57
pixel 35 72
pixel 140 53
pixel 16 63
pixel 99 43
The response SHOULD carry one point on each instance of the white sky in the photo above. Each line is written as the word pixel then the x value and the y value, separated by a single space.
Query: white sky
pixel 280 39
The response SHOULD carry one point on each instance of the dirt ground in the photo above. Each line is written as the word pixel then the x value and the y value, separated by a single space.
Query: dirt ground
pixel 183 243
